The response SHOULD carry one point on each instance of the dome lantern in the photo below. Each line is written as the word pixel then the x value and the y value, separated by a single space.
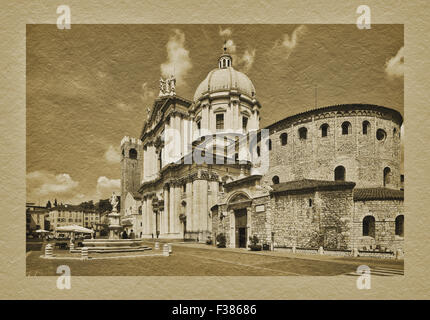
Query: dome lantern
pixel 225 60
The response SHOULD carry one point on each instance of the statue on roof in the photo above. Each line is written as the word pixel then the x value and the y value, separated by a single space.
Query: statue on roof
pixel 148 112
pixel 172 84
pixel 163 88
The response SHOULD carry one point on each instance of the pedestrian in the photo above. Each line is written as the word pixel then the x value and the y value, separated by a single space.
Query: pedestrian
pixel 132 235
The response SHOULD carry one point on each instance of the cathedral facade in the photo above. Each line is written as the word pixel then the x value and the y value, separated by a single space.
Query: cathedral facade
pixel 326 177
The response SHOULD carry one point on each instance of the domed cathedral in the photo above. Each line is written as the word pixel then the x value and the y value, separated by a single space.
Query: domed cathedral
pixel 328 177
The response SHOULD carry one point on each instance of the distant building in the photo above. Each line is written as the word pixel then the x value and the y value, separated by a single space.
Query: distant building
pixel 73 215
pixel 36 218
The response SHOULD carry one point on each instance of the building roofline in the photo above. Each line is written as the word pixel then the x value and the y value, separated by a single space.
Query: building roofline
pixel 339 107
pixel 368 194
pixel 310 185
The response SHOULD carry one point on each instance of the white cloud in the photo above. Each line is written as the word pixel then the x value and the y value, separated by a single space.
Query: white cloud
pixel 42 183
pixel 106 186
pixel 178 58
pixel 124 107
pixel 112 155
pixel 395 66
pixel 288 43
pixel 231 46
pixel 147 94
pixel 225 32
pixel 247 60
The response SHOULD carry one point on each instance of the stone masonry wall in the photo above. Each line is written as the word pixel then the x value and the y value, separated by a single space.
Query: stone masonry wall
pixel 297 222
pixel 385 213
pixel 363 155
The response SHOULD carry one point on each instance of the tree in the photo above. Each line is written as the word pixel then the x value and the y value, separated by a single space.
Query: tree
pixel 103 206
pixel 87 205
pixel 48 204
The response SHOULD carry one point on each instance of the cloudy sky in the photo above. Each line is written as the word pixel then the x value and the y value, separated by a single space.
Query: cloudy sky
pixel 89 86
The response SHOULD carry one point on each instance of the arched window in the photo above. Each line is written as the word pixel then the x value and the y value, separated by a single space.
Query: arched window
pixel 369 226
pixel 132 154
pixel 269 144
pixel 303 133
pixel 381 134
pixel 284 138
pixel 275 180
pixel 258 151
pixel 346 128
pixel 387 176
pixel 324 130
pixel 339 173
pixel 400 221
pixel 366 127
pixel 244 123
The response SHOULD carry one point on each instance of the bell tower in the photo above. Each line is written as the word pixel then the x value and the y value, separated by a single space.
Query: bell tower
pixel 131 167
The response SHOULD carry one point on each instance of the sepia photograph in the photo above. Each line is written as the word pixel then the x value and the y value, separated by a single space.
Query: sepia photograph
pixel 215 150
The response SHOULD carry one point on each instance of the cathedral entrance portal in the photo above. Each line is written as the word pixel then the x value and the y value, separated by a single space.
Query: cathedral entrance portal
pixel 241 227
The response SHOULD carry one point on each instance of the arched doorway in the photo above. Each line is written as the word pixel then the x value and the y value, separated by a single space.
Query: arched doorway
pixel 241 226
pixel 238 207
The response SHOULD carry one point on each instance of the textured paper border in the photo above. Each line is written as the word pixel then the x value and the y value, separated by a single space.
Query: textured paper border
pixel 15 15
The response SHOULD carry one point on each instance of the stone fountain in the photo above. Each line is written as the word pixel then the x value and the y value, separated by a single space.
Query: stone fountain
pixel 114 243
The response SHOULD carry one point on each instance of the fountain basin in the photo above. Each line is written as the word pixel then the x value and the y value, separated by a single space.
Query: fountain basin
pixel 113 245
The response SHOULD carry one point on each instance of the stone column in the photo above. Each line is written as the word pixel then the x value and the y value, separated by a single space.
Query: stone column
pixel 232 229
pixel 182 138
pixel 205 118
pixel 249 226
pixel 166 210
pixel 189 207
pixel 176 221
pixel 195 215
pixel 204 206
pixel 148 215
pixel 172 203
pixel 178 131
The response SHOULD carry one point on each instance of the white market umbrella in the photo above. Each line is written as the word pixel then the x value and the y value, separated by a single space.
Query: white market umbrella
pixel 42 231
pixel 74 228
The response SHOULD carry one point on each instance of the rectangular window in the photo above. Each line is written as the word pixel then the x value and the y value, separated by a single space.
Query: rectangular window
pixel 244 123
pixel 220 121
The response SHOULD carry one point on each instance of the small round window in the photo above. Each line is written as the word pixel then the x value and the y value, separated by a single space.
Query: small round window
pixel 381 134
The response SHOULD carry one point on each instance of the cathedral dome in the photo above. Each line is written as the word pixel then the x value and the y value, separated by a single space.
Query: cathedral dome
pixel 225 77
